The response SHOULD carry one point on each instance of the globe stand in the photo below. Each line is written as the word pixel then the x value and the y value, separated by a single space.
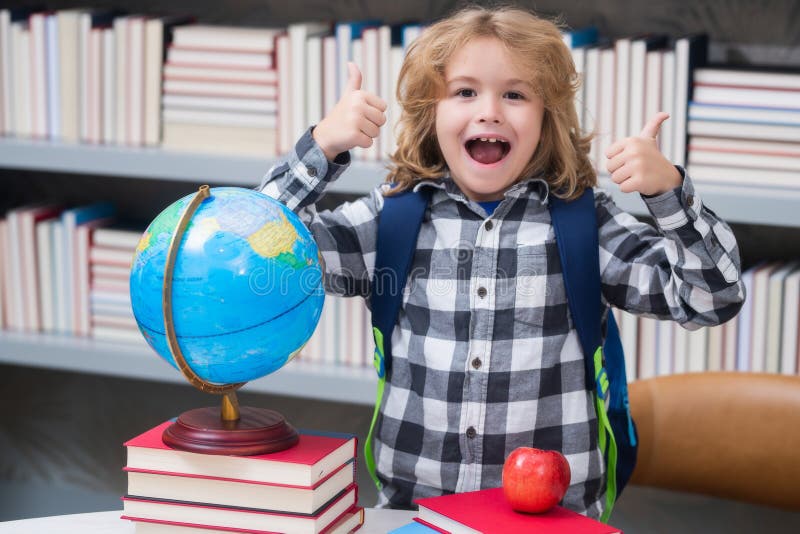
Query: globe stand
pixel 230 430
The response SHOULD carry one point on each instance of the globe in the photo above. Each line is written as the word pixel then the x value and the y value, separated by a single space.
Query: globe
pixel 246 287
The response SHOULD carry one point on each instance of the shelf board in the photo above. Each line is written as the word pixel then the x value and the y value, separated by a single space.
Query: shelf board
pixel 159 164
pixel 87 355
pixel 751 205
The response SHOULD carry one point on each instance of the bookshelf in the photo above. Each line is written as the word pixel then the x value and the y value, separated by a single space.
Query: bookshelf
pixel 138 361
pixel 747 205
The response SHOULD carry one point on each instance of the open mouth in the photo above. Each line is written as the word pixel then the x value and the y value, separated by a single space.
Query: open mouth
pixel 487 150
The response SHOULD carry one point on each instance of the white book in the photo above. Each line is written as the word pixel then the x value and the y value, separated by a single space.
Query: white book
pixel 688 51
pixel 591 95
pixel 109 92
pixel 652 89
pixel 314 80
pixel 111 333
pixel 52 84
pixel 647 347
pixel 762 178
pixel 329 321
pixel 23 106
pixel 357 51
pixel 775 290
pixel 232 38
pixel 221 88
pixel 117 238
pixel 790 331
pixel 94 87
pixel 739 77
pixel 330 66
pixel 666 348
pixel 750 161
pixel 60 302
pixel 153 53
pixel 15 303
pixel 228 75
pixel 136 79
pixel 744 322
pixel 696 350
pixel 46 268
pixel 370 79
pixel 738 96
pixel 5 78
pixel 639 84
pixel 680 347
pixel 106 283
pixel 84 98
pixel 667 138
pixel 760 297
pixel 396 57
pixel 579 59
pixel 121 27
pixel 356 335
pixel 730 348
pixel 385 89
pixel 716 346
pixel 29 218
pixel 258 105
pixel 102 270
pixel 767 132
pixel 213 58
pixel 38 73
pixel 114 321
pixel 629 336
pixel 298 37
pixel 68 22
pixel 226 118
pixel 622 89
pixel 283 57
pixel 746 114
pixel 605 120
pixel 745 145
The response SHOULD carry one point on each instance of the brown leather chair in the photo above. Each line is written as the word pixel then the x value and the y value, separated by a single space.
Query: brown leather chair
pixel 730 435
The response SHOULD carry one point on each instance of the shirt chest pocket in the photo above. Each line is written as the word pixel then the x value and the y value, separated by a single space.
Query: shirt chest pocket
pixel 531 287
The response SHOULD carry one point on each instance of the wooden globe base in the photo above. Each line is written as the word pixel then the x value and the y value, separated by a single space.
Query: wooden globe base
pixel 257 431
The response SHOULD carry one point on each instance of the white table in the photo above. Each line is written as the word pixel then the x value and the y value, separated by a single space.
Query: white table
pixel 375 522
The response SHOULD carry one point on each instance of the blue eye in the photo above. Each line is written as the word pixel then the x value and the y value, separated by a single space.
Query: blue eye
pixel 466 93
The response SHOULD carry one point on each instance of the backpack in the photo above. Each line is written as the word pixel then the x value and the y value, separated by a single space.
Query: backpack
pixel 575 225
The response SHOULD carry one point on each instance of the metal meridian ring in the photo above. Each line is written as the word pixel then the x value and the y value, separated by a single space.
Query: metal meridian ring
pixel 166 296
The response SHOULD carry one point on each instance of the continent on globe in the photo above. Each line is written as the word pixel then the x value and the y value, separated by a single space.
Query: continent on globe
pixel 246 289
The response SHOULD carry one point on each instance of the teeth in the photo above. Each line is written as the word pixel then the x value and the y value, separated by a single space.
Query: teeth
pixel 492 140
pixel 483 139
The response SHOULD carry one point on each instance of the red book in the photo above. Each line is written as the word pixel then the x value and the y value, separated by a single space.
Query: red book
pixel 488 512
pixel 311 461
pixel 242 519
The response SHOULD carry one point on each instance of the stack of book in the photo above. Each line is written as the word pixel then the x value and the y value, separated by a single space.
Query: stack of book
pixel 744 128
pixel 220 90
pixel 308 488
pixel 110 255
pixel 487 511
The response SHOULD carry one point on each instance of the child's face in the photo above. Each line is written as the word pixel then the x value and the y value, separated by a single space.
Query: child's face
pixel 486 98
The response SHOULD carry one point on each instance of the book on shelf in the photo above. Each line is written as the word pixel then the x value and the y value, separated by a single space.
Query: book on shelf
pixel 743 114
pixel 173 71
pixel 747 96
pixel 315 457
pixel 487 511
pixel 241 493
pixel 228 38
pixel 790 329
pixel 775 294
pixel 691 52
pixel 350 521
pixel 247 519
pixel 4 255
pixel 749 76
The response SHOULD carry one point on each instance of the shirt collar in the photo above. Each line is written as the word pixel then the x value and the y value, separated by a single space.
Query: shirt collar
pixel 520 189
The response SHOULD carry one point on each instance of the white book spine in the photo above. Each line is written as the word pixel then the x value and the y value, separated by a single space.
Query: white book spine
pixel 4 255
pixel 681 100
pixel 16 308
pixel 790 352
pixel 680 362
pixel 648 365
pixel 622 88
pixel 358 58
pixel 715 347
pixel 731 334
pixel 38 73
pixel 591 97
pixel 46 269
pixel 605 122
pixel 579 59
pixel 121 80
pixel 637 88
pixel 665 347
pixel 385 88
pixel 69 81
pixel 667 140
pixel 22 97
pixel 154 50
pixel 371 80
pixel 629 332
pixel 397 55
pixel 136 90
pixel 83 76
pixel 59 257
pixel 697 350
pixel 285 97
pixel 53 78
pixel 109 87
pixel 314 80
pixel 330 88
pixel 652 91
pixel 5 76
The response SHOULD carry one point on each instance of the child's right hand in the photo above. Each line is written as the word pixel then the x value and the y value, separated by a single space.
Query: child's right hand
pixel 354 121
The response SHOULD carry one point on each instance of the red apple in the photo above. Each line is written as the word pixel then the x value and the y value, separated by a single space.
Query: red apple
pixel 535 480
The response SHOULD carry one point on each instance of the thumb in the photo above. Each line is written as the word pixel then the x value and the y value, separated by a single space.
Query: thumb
pixel 650 129
pixel 354 77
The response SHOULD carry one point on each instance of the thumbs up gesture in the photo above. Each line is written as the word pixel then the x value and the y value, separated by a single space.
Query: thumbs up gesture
pixel 354 121
pixel 636 164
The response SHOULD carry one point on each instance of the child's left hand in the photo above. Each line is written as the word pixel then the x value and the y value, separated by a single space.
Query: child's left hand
pixel 636 164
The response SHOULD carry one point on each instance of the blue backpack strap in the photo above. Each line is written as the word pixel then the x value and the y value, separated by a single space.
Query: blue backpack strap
pixel 398 227
pixel 575 226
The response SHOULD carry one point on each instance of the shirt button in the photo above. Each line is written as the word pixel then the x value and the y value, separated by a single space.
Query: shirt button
pixel 471 433
pixel 481 292
pixel 312 171
pixel 690 200
pixel 476 363
pixel 488 225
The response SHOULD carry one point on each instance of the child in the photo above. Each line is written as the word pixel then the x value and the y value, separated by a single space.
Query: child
pixel 485 357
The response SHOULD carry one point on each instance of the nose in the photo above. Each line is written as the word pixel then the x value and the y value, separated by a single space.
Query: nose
pixel 490 111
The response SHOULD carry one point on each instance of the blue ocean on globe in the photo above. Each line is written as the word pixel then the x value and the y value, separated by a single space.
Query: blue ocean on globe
pixel 247 285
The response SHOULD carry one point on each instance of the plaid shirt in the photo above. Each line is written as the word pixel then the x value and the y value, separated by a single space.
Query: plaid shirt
pixel 485 357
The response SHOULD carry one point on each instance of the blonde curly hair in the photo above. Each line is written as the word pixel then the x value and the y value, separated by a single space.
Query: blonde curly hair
pixel 537 48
